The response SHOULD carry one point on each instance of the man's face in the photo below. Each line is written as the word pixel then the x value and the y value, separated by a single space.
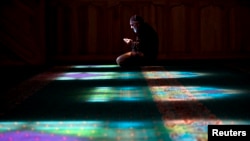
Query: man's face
pixel 134 25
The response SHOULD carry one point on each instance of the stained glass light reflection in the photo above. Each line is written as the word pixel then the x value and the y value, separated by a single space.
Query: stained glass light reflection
pixel 174 74
pixel 83 131
pixel 180 93
pixel 95 66
pixel 109 94
pixel 98 75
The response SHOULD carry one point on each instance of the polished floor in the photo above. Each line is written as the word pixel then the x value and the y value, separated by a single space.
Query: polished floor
pixel 107 103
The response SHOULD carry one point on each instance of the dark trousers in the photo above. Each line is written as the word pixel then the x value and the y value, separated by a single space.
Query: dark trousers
pixel 128 60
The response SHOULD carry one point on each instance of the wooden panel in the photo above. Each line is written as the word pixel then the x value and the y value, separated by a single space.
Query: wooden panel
pixel 186 28
pixel 82 28
pixel 92 30
pixel 211 29
pixel 244 35
pixel 22 32
pixel 178 29
pixel 161 24
pixel 75 33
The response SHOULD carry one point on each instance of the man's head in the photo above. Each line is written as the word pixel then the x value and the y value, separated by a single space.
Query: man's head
pixel 135 22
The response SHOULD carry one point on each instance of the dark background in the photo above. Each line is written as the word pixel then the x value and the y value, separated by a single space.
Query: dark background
pixel 38 32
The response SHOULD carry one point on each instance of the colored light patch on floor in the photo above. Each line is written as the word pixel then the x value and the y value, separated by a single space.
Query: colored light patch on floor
pixel 175 93
pixel 36 136
pixel 184 118
pixel 94 66
pixel 175 74
pixel 98 75
pixel 186 121
pixel 82 131
pixel 111 94
pixel 131 129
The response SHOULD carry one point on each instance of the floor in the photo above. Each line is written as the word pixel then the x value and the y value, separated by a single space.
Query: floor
pixel 167 102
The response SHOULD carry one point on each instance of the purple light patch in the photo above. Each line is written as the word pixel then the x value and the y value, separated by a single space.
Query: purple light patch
pixel 81 75
pixel 35 136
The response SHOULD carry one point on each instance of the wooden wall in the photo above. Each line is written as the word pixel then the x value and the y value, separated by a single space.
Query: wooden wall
pixel 92 30
pixel 196 29
pixel 22 32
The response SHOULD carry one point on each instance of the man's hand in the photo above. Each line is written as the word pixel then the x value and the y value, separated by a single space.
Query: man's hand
pixel 128 41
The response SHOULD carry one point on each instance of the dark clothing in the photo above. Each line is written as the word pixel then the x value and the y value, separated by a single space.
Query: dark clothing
pixel 146 42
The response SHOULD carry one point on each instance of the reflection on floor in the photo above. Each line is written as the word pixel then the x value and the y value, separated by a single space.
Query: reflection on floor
pixel 105 102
